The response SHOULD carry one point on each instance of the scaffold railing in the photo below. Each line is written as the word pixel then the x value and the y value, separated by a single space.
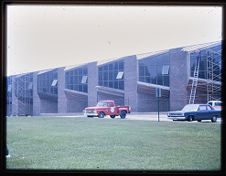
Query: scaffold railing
pixel 213 75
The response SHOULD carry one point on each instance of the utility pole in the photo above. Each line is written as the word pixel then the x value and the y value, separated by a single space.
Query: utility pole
pixel 158 94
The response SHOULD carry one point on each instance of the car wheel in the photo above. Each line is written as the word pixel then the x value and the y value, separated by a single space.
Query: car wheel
pixel 214 119
pixel 123 114
pixel 112 116
pixel 101 115
pixel 199 120
pixel 190 118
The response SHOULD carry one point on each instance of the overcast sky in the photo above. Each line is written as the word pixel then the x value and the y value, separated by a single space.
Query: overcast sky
pixel 41 37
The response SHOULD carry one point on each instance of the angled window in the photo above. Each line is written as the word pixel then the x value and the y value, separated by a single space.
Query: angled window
pixel 54 83
pixel 84 79
pixel 165 69
pixel 119 75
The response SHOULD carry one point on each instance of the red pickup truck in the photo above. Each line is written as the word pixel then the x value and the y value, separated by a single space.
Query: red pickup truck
pixel 106 107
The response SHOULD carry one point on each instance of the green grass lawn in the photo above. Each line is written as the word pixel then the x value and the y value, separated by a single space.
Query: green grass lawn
pixel 92 143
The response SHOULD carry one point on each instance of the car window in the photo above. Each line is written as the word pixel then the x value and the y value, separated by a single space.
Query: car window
pixel 110 104
pixel 210 103
pixel 101 104
pixel 202 108
pixel 218 104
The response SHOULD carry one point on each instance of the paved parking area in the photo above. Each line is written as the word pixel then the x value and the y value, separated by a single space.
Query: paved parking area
pixel 148 117
pixel 153 117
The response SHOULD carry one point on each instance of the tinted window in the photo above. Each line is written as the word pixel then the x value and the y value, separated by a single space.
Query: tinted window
pixel 112 76
pixel 47 83
pixel 77 79
pixel 155 69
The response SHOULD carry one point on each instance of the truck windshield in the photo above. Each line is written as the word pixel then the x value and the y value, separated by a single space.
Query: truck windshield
pixel 102 103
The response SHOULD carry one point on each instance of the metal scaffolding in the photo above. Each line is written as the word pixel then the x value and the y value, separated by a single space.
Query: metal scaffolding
pixel 214 75
pixel 211 86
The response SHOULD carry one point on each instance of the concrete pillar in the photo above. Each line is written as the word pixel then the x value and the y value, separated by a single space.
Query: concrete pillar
pixel 92 83
pixel 178 79
pixel 36 98
pixel 62 99
pixel 130 82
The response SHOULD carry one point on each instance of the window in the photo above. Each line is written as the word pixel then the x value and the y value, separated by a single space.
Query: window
pixel 54 83
pixel 77 79
pixel 121 66
pixel 101 104
pixel 84 79
pixel 120 75
pixel 110 104
pixel 30 86
pixel 47 83
pixel 121 85
pixel 9 88
pixel 110 84
pixel 155 69
pixel 218 104
pixel 202 108
pixel 111 67
pixel 111 75
pixel 209 108
pixel 165 69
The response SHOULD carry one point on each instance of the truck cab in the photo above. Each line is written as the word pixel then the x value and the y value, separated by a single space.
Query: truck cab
pixel 106 107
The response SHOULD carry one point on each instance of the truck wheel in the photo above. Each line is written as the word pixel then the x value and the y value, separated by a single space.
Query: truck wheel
pixel 112 116
pixel 123 114
pixel 214 119
pixel 101 115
